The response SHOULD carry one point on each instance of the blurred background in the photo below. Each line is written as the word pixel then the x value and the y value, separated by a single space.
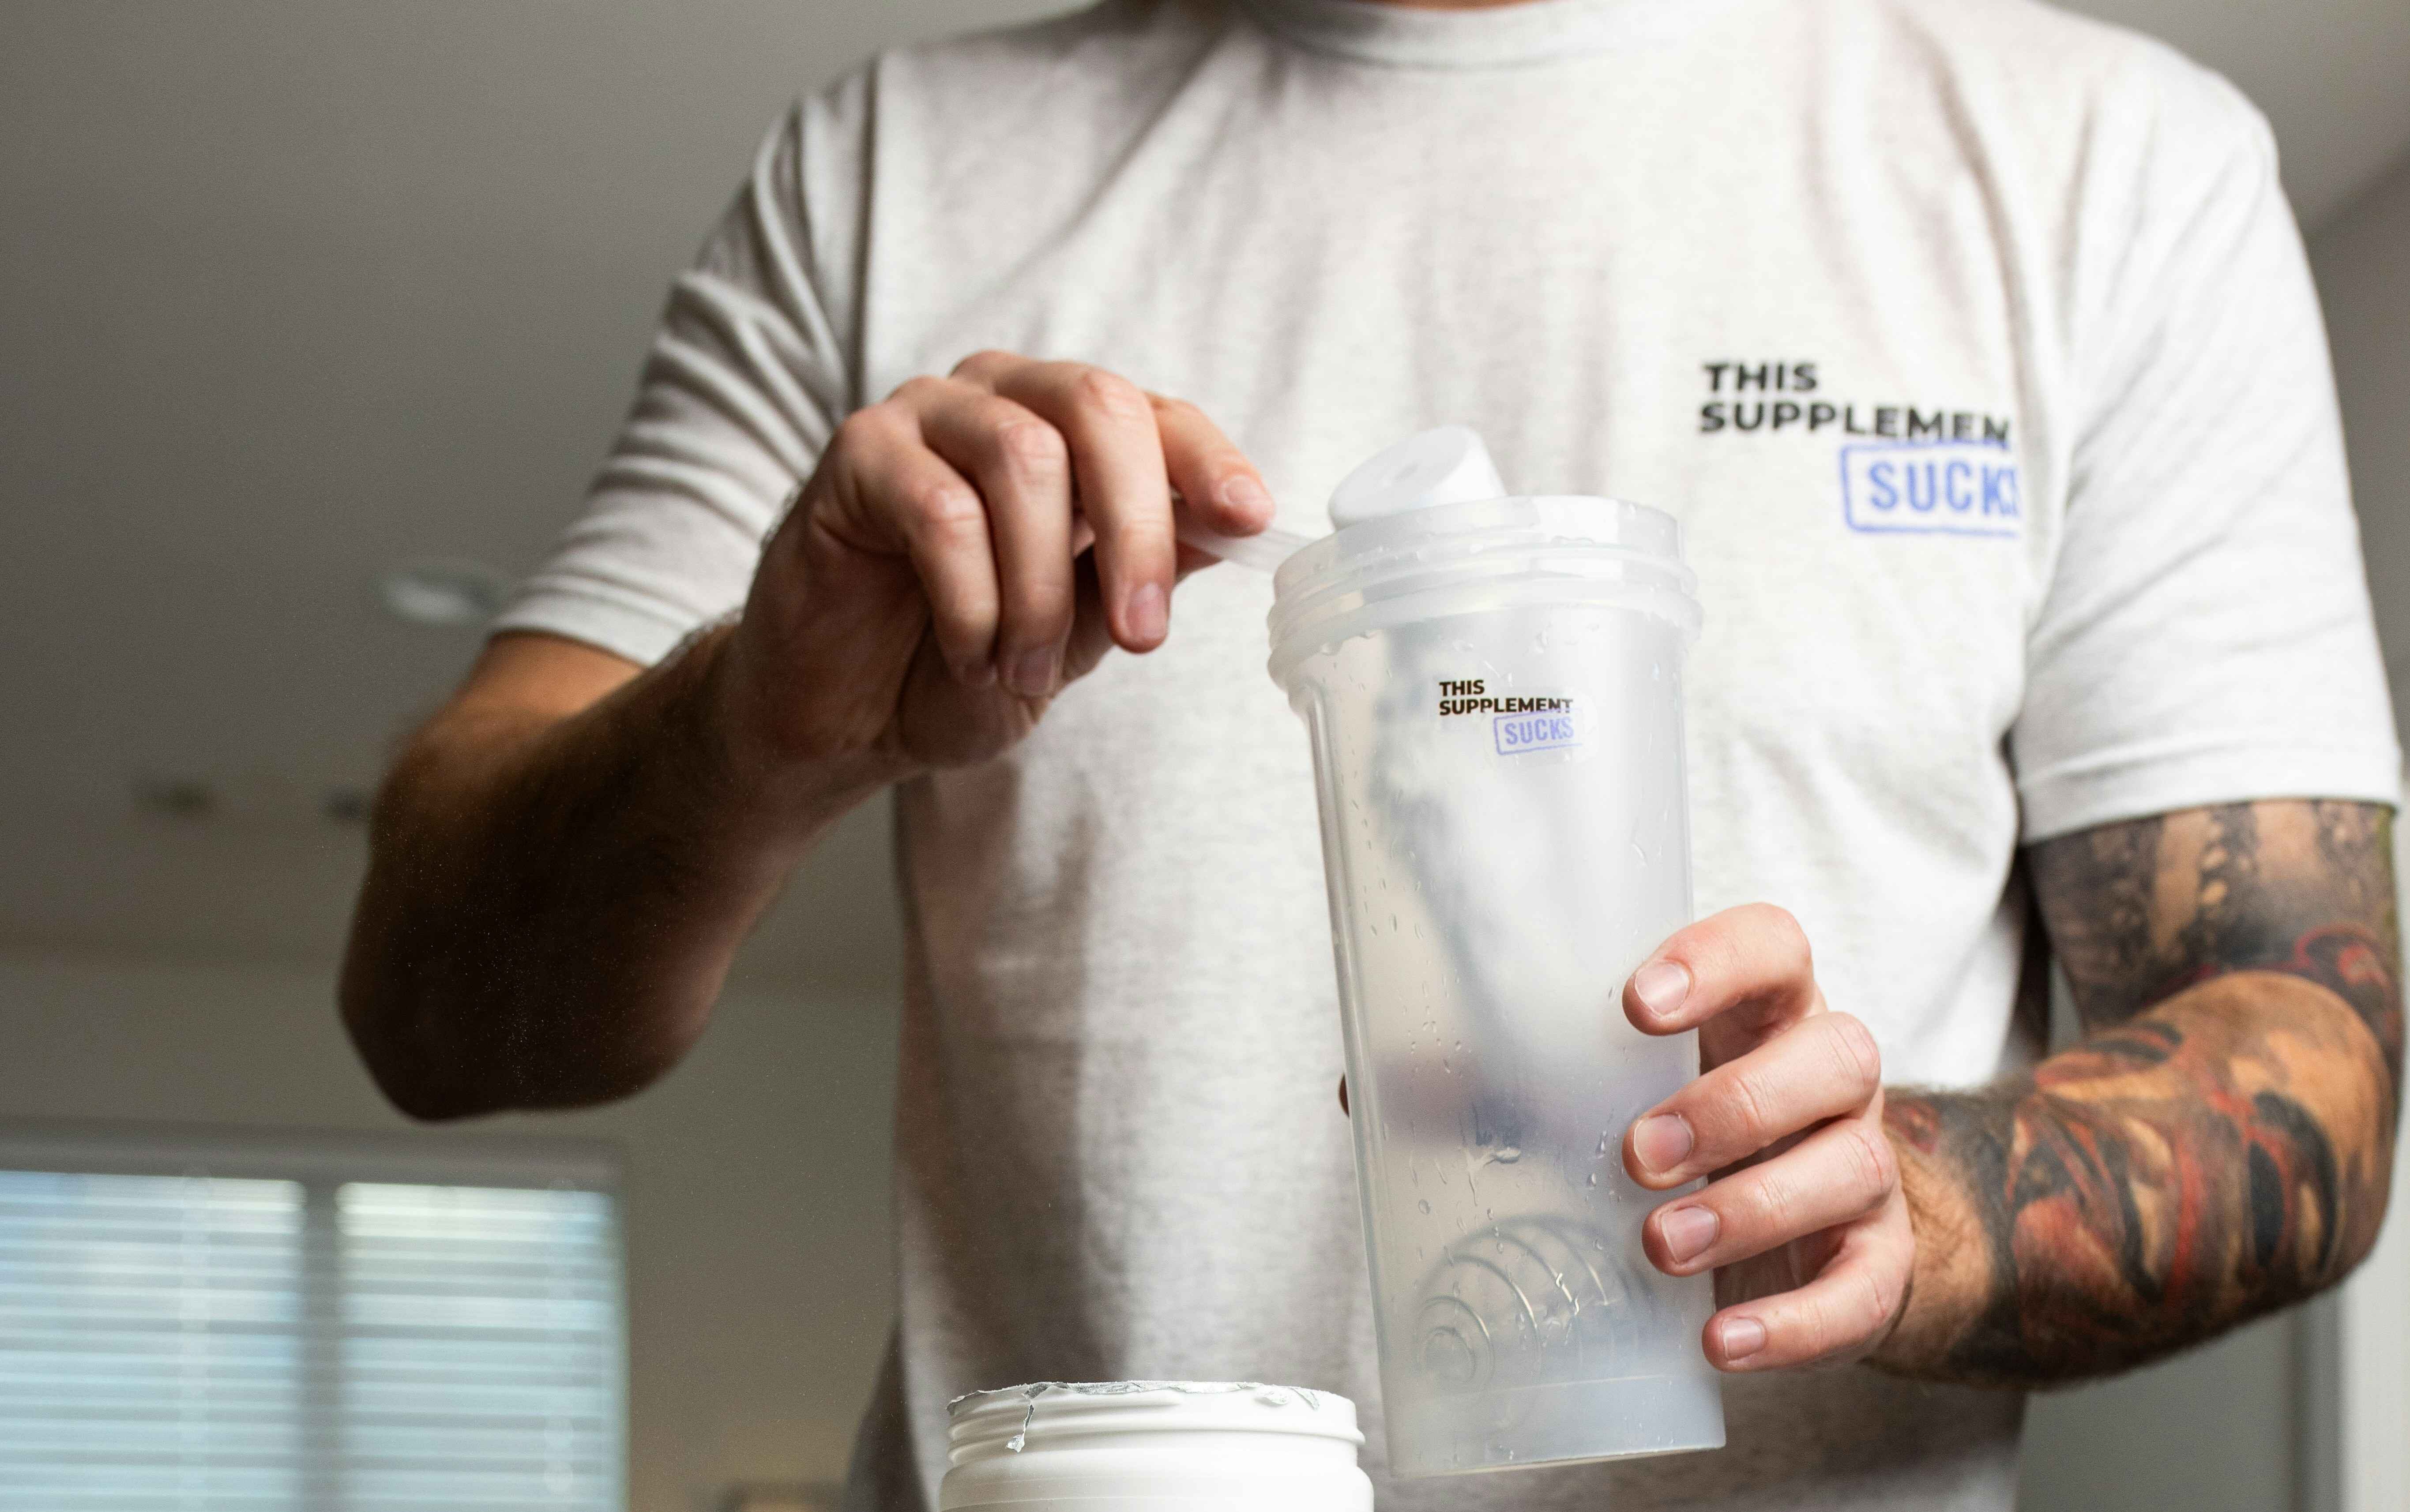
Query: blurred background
pixel 315 317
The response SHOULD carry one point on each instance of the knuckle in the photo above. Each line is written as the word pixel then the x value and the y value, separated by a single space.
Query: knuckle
pixel 866 428
pixel 1185 424
pixel 1111 395
pixel 1031 446
pixel 946 511
pixel 917 389
pixel 1810 1328
pixel 986 360
pixel 1874 1165
pixel 1785 932
pixel 1039 608
pixel 1132 539
pixel 1221 461
pixel 1777 1206
pixel 1727 946
pixel 1854 1043
pixel 1716 932
pixel 1879 1297
pixel 1747 1108
pixel 1820 1329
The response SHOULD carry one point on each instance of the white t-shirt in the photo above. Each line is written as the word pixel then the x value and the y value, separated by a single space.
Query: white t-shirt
pixel 1973 346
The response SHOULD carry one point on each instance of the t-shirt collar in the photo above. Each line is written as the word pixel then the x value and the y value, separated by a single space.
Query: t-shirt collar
pixel 1531 31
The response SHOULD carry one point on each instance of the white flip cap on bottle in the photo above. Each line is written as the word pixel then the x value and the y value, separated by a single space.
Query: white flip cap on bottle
pixel 1445 466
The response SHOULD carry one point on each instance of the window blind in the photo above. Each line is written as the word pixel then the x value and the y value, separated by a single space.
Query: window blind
pixel 480 1354
pixel 306 1345
pixel 150 1343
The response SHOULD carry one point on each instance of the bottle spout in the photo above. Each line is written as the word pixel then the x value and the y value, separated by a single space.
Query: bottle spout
pixel 1445 466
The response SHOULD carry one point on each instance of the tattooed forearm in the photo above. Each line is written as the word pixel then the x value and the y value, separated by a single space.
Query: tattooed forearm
pixel 2220 1141
pixel 2137 911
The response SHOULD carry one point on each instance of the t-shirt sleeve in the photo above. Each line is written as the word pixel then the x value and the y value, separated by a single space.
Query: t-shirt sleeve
pixel 750 371
pixel 2206 637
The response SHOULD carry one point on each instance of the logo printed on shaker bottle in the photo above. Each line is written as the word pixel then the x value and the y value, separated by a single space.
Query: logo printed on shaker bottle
pixel 1520 724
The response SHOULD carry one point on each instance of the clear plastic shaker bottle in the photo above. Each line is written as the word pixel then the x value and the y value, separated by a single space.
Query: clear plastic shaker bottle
pixel 1492 686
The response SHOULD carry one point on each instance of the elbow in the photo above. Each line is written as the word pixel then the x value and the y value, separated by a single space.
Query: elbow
pixel 390 1035
pixel 384 1004
pixel 2361 1215
pixel 420 1097
pixel 2353 1186
pixel 408 1081
pixel 421 1100
pixel 438 1061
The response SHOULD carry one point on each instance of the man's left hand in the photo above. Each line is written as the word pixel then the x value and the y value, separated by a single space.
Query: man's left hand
pixel 1802 1219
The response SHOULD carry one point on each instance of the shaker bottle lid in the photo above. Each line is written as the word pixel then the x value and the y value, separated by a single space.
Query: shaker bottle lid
pixel 1428 527
pixel 1445 466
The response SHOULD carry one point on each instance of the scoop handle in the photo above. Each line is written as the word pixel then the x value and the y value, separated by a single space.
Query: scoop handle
pixel 1263 551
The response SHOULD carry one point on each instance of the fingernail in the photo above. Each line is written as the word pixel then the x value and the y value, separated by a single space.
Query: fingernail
pixel 1662 1141
pixel 1660 986
pixel 1688 1232
pixel 1248 497
pixel 1032 675
pixel 1146 612
pixel 1741 1337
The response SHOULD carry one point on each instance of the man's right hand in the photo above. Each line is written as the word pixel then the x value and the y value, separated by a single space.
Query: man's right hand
pixel 965 549
pixel 566 857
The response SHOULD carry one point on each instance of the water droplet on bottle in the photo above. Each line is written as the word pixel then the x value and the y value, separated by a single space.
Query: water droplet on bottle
pixel 1424 1204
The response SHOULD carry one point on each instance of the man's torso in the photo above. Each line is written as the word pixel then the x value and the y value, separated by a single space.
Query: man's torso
pixel 1799 274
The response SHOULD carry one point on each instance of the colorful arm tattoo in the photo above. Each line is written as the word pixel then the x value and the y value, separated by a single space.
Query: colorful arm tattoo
pixel 2219 1143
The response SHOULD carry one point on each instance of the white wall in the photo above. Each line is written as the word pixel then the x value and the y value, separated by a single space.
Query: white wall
pixel 2362 258
pixel 755 1195
pixel 2213 1431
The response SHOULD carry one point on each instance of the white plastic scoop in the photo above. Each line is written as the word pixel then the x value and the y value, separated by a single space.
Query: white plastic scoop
pixel 1263 551
pixel 1445 466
